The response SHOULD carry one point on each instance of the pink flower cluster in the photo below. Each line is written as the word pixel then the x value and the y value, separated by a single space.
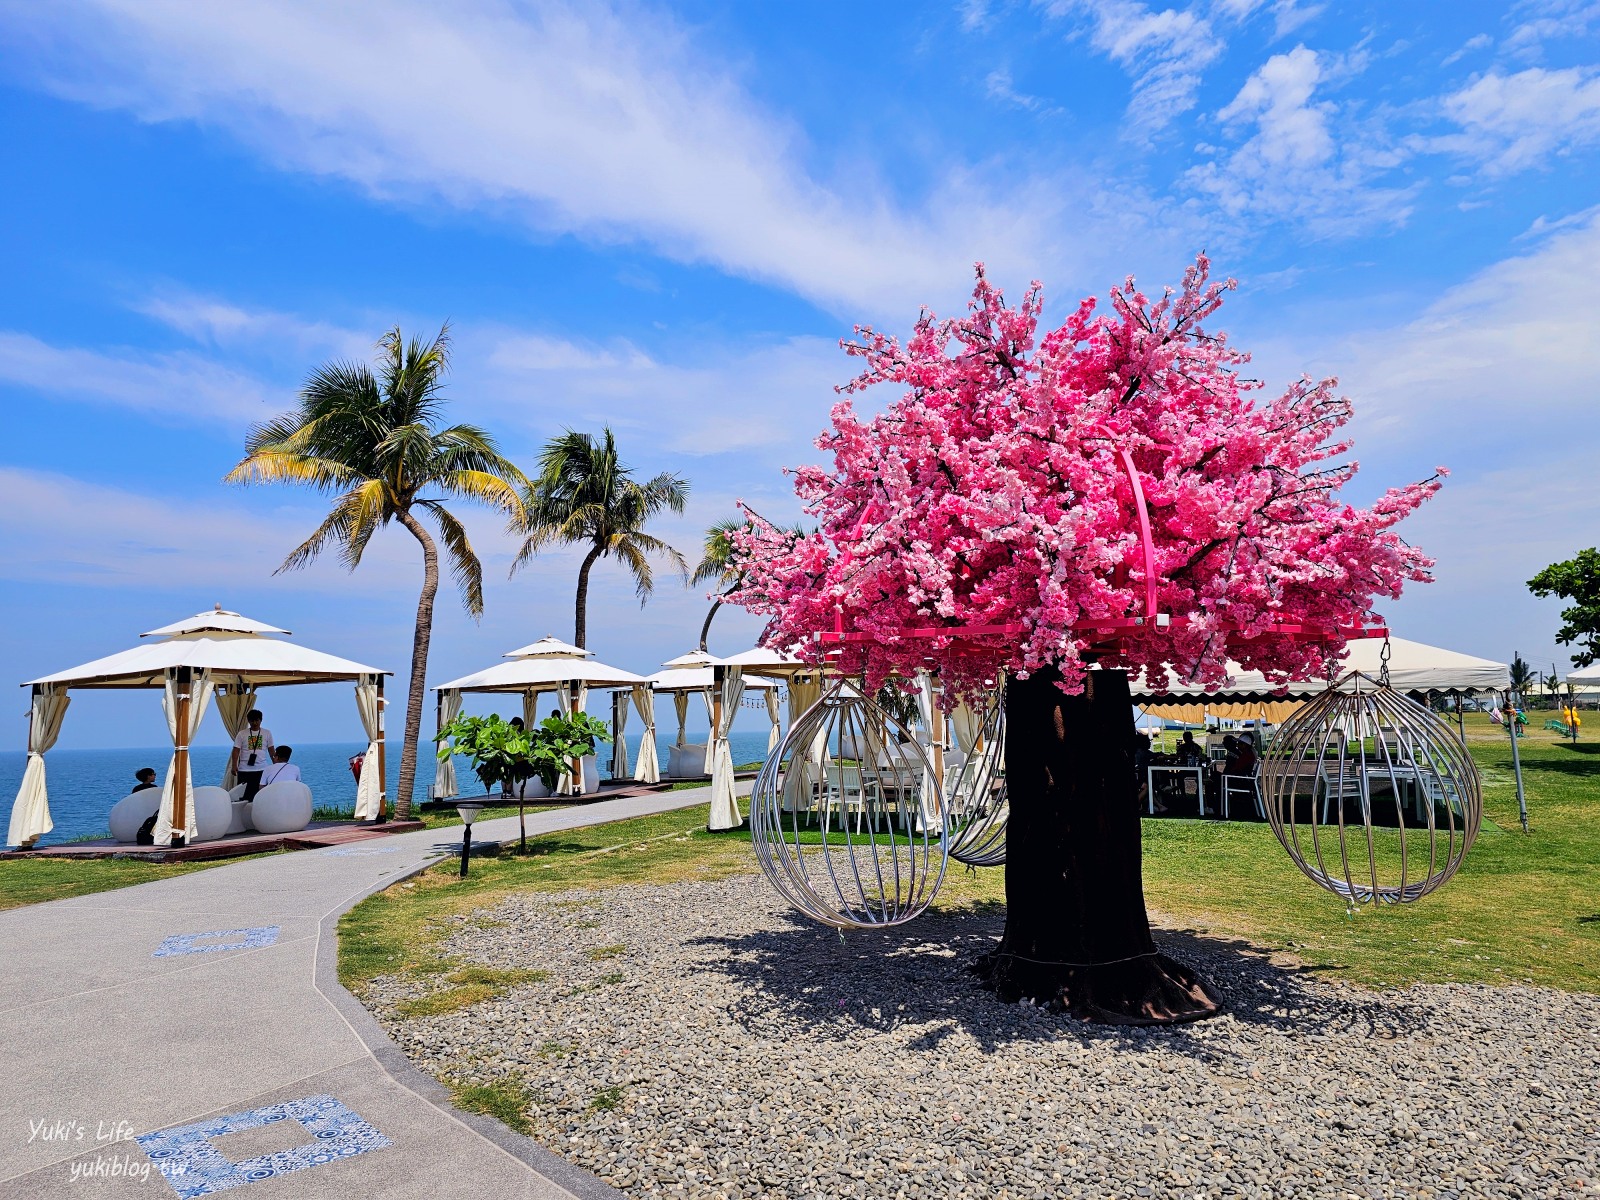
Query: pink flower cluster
pixel 991 492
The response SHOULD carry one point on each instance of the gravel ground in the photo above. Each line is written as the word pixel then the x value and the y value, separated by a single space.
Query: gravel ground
pixel 699 1040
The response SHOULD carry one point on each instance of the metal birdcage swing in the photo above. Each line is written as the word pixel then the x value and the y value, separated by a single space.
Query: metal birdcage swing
pixel 976 803
pixel 1372 795
pixel 847 815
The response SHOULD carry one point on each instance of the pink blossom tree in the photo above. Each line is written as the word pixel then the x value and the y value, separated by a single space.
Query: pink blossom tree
pixel 997 493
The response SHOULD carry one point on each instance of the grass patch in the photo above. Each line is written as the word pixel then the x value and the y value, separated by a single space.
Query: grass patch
pixel 469 985
pixel 606 1099
pixel 1524 908
pixel 600 952
pixel 507 1102
pixel 35 880
pixel 554 1049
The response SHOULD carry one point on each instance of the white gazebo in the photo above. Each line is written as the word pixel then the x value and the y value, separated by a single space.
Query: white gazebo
pixel 698 672
pixel 551 665
pixel 214 653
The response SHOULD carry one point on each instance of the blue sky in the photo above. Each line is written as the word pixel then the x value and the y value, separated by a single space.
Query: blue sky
pixel 664 218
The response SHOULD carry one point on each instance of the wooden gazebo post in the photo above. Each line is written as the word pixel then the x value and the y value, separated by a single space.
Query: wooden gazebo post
pixel 573 687
pixel 383 814
pixel 180 760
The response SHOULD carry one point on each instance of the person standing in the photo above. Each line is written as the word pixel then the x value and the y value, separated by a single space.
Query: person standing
pixel 252 751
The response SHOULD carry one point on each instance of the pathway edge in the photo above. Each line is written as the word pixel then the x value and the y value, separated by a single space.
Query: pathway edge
pixel 403 1071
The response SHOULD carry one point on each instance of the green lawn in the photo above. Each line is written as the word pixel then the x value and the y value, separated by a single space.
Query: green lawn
pixel 1523 908
pixel 35 880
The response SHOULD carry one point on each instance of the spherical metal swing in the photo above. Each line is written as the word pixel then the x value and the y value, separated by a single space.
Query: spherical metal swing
pixel 847 817
pixel 975 797
pixel 1372 795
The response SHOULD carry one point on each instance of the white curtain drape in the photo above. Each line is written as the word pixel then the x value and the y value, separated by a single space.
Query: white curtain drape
pixel 619 745
pixel 30 813
pixel 648 768
pixel 200 688
pixel 967 725
pixel 680 704
pixel 530 710
pixel 568 786
pixel 368 792
pixel 232 706
pixel 445 783
pixel 927 703
pixel 724 801
pixel 805 691
pixel 773 738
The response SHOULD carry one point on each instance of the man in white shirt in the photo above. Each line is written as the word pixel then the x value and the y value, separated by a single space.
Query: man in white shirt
pixel 252 753
pixel 281 767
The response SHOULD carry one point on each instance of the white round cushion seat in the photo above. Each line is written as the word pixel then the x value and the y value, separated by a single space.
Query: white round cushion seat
pixel 213 813
pixel 282 807
pixel 133 811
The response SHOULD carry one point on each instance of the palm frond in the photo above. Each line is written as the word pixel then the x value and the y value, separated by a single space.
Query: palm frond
pixel 465 568
pixel 633 557
pixel 483 486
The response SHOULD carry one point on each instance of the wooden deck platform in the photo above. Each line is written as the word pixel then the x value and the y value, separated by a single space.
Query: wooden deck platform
pixel 317 834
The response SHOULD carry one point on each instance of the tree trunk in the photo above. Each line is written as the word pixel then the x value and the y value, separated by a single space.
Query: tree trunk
pixel 705 630
pixel 581 622
pixel 421 636
pixel 1076 931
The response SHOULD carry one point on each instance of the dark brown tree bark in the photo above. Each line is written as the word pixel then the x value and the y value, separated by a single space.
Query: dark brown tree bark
pixel 580 622
pixel 705 630
pixel 1076 931
pixel 421 637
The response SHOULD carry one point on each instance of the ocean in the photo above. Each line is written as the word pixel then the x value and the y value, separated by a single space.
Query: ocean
pixel 84 784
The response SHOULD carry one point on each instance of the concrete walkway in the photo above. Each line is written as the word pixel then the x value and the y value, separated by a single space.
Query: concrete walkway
pixel 121 1023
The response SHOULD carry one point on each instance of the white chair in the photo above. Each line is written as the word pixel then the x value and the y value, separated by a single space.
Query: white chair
pixel 687 762
pixel 133 811
pixel 1246 785
pixel 1348 784
pixel 241 811
pixel 282 807
pixel 213 813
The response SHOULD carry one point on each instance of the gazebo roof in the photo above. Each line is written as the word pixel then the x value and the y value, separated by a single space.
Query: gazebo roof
pixel 1413 667
pixel 238 652
pixel 761 661
pixel 543 666
pixel 549 647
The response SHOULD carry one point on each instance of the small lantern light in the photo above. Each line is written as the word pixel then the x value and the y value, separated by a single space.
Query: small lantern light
pixel 468 811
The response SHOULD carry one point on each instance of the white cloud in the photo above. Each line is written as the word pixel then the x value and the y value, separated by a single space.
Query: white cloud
pixel 63 530
pixel 1480 42
pixel 177 387
pixel 1291 165
pixel 1546 20
pixel 220 323
pixel 610 126
pixel 1165 52
pixel 1514 122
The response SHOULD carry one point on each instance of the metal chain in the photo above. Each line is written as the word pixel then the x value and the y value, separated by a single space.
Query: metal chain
pixel 1383 663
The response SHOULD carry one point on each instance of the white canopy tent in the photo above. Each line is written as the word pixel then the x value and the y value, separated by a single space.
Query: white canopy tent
pixel 217 652
pixel 1413 667
pixel 697 673
pixel 1586 678
pixel 548 665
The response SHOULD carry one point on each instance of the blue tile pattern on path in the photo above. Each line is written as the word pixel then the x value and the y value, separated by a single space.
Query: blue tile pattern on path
pixel 194 1167
pixel 238 939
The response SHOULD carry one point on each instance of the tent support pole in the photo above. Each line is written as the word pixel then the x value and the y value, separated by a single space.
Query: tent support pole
pixel 577 762
pixel 1516 764
pixel 180 761
pixel 383 784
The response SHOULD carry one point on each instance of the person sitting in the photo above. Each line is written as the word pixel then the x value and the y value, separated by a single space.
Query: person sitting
pixel 1240 758
pixel 146 777
pixel 1189 752
pixel 281 768
pixel 1141 769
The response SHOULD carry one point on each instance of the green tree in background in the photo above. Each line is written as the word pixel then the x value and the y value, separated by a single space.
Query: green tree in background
pixel 1578 580
pixel 583 495
pixel 373 440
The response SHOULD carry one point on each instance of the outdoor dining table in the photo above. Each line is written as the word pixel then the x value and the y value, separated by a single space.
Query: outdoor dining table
pixel 1198 771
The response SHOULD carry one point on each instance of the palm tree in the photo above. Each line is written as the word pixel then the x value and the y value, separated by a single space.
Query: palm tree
pixel 716 562
pixel 374 442
pixel 583 495
pixel 1521 676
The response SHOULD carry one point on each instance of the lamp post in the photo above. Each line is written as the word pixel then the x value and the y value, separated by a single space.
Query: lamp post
pixel 469 810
